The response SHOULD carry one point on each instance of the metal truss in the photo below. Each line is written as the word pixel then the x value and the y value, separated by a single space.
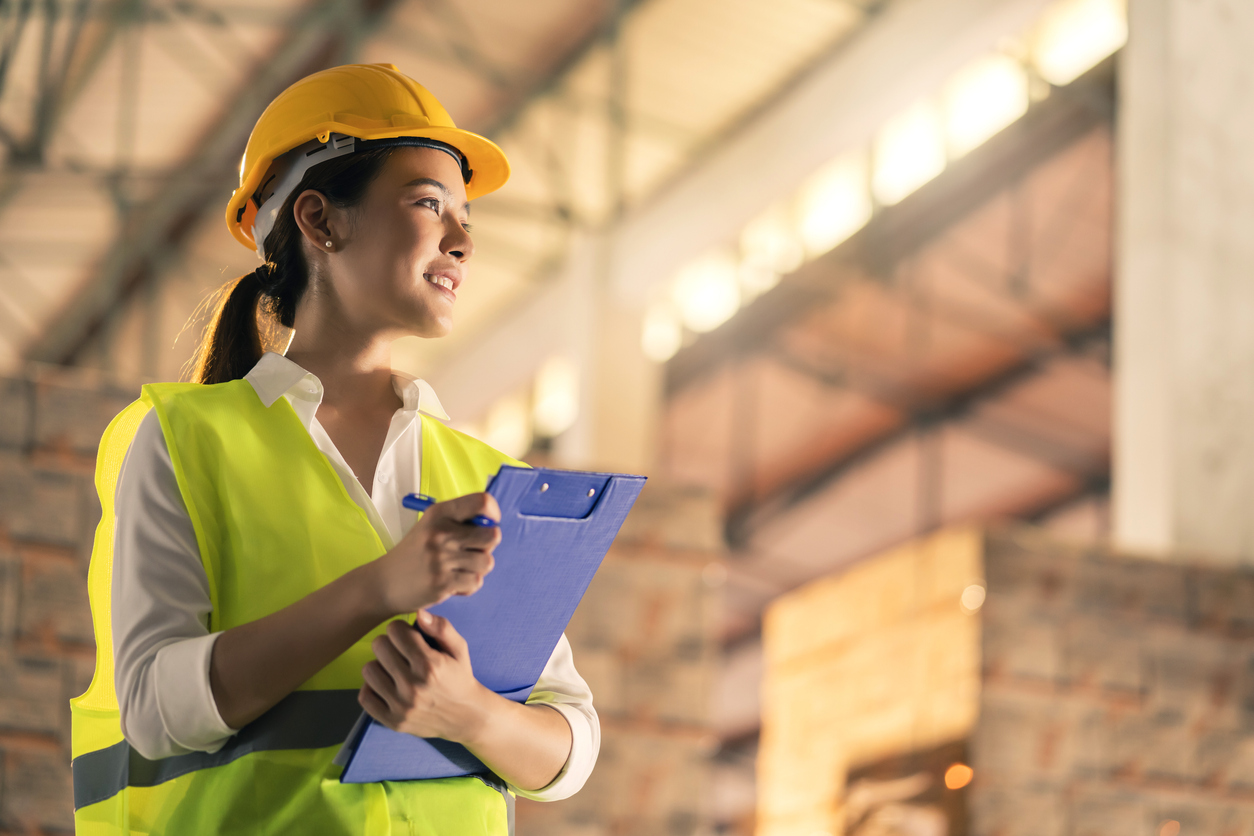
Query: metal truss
pixel 891 237
pixel 324 33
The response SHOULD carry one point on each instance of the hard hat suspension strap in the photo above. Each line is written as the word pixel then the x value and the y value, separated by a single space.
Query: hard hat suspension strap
pixel 420 142
pixel 338 145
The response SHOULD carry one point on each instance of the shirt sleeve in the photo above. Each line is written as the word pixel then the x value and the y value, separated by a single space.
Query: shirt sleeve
pixel 562 688
pixel 160 610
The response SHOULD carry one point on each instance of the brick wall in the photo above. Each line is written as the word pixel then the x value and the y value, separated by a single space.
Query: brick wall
pixel 1093 694
pixel 876 661
pixel 49 426
pixel 1118 694
pixel 642 638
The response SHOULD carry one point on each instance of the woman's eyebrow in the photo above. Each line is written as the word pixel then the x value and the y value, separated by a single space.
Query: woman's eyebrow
pixel 448 194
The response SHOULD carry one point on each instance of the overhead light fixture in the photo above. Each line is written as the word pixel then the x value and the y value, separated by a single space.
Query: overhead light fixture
pixel 507 428
pixel 972 598
pixel 770 242
pixel 661 333
pixel 1074 35
pixel 983 98
pixel 707 291
pixel 909 151
pixel 833 204
pixel 556 401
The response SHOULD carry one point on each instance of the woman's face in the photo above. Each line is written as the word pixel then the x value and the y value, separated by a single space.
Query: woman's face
pixel 399 258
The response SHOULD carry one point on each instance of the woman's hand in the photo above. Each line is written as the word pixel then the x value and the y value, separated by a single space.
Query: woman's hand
pixel 441 556
pixel 421 690
pixel 414 688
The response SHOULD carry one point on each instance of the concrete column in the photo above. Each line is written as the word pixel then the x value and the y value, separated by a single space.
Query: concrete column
pixel 621 392
pixel 1184 426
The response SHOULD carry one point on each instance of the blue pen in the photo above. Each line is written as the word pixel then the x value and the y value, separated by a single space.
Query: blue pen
pixel 421 502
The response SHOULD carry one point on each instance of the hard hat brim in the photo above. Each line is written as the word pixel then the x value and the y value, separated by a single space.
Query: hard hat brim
pixel 486 159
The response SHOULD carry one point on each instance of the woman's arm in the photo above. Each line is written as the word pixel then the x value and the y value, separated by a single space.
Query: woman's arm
pixel 429 692
pixel 160 609
pixel 257 664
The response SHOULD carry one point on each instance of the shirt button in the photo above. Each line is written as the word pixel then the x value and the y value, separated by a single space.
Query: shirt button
pixel 383 479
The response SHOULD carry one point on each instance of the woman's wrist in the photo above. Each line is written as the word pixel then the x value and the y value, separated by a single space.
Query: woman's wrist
pixel 375 591
pixel 483 710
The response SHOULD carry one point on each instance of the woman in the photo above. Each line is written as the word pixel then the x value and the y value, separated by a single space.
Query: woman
pixel 249 567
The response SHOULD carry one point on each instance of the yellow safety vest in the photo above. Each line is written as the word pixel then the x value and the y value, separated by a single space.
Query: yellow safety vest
pixel 273 523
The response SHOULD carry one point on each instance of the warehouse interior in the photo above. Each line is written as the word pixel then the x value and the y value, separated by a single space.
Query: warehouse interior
pixel 929 321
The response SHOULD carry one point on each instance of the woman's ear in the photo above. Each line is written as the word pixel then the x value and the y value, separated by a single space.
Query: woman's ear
pixel 314 217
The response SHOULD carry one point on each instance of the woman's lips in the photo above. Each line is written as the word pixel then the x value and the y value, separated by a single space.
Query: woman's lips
pixel 442 282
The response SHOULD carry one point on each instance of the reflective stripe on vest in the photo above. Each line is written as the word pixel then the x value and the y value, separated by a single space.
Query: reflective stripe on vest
pixel 260 493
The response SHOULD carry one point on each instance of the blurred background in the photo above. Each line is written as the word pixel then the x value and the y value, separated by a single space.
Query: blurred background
pixel 931 321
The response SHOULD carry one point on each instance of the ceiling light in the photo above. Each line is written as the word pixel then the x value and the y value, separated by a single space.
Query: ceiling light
pixel 973 598
pixel 981 99
pixel 833 204
pixel 661 334
pixel 707 291
pixel 770 241
pixel 556 403
pixel 1074 35
pixel 909 151
pixel 507 428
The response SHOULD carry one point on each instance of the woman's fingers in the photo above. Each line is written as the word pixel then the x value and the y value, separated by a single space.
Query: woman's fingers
pixel 443 631
pixel 465 508
pixel 459 535
pixel 376 707
pixel 381 683
pixel 397 652
pixel 443 554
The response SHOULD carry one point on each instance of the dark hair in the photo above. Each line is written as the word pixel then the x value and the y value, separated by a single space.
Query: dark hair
pixel 232 341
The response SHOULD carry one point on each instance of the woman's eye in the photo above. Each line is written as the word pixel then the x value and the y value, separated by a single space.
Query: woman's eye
pixel 432 203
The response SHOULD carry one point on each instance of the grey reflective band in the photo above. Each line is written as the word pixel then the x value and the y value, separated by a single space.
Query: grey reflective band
pixel 302 720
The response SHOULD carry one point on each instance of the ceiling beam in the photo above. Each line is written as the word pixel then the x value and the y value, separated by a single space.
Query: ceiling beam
pixel 898 231
pixel 749 513
pixel 316 39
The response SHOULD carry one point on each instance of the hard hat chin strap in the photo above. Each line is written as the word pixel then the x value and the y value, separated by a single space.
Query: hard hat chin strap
pixel 337 145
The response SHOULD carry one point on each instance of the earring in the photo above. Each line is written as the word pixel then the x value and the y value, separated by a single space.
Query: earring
pixel 328 245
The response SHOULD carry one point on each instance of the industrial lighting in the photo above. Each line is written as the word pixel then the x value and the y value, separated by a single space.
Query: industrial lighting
pixel 909 151
pixel 834 203
pixel 958 775
pixel 661 334
pixel 1074 35
pixel 972 598
pixel 981 99
pixel 769 249
pixel 507 428
pixel 707 291
pixel 756 278
pixel 556 397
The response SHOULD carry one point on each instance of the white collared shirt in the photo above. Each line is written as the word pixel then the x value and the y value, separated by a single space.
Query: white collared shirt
pixel 160 599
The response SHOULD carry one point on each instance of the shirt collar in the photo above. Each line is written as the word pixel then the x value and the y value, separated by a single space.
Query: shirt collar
pixel 274 376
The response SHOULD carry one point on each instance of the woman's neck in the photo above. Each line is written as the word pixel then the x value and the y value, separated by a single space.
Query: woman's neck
pixel 355 369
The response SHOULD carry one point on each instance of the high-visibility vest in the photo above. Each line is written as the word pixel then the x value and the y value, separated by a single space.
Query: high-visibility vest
pixel 273 523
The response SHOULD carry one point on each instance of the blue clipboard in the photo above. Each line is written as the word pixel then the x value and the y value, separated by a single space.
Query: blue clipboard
pixel 556 527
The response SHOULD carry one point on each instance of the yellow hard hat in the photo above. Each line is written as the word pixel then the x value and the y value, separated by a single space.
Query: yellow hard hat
pixel 351 108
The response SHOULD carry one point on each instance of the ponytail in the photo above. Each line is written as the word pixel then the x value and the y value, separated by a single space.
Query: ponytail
pixel 232 343
pixel 234 339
